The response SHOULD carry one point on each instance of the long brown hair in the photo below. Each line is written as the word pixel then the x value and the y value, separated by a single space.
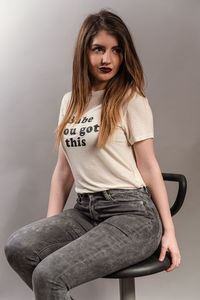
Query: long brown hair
pixel 119 89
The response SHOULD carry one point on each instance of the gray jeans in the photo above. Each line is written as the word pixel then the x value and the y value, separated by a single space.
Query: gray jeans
pixel 104 232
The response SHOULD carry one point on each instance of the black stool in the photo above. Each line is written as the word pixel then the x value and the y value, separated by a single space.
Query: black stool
pixel 150 265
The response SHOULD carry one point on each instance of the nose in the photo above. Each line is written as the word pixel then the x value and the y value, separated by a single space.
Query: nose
pixel 106 57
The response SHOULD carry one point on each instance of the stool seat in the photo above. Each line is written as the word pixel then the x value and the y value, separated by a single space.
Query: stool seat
pixel 148 266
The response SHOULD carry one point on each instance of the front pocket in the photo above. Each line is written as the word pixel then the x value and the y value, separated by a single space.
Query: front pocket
pixel 132 226
pixel 132 201
pixel 119 195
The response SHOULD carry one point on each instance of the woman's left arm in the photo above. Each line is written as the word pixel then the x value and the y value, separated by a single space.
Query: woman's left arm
pixel 150 171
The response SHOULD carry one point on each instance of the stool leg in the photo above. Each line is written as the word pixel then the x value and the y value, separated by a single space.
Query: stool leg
pixel 127 288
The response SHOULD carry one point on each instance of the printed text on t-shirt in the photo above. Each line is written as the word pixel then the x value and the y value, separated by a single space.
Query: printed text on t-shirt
pixel 78 142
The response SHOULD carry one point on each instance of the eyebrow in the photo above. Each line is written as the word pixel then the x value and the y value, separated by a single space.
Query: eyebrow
pixel 117 46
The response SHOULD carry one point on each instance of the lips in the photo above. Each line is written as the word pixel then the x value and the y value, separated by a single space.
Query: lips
pixel 105 70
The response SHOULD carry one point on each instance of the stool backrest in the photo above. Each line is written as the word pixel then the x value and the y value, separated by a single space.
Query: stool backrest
pixel 182 188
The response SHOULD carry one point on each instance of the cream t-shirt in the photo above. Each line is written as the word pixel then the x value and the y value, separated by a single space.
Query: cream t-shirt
pixel 114 165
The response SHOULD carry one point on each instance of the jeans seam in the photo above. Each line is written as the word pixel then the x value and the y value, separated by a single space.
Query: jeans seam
pixel 64 241
pixel 117 228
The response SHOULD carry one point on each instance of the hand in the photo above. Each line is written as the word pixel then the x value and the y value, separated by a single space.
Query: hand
pixel 169 244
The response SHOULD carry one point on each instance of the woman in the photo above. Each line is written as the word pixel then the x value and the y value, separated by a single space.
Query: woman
pixel 105 140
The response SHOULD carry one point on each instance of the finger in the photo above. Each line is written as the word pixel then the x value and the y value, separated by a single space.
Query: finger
pixel 172 267
pixel 178 260
pixel 162 253
pixel 175 262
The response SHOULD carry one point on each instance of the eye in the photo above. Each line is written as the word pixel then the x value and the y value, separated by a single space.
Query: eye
pixel 117 50
pixel 97 48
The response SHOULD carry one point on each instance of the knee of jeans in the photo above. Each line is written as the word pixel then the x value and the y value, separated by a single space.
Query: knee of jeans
pixel 15 247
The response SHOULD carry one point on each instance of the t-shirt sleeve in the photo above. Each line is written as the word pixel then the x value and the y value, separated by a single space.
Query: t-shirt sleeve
pixel 63 106
pixel 138 120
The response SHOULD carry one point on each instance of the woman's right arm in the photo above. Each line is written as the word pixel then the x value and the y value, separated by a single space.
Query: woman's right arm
pixel 61 184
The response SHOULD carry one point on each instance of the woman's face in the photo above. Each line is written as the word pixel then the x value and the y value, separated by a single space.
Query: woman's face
pixel 104 52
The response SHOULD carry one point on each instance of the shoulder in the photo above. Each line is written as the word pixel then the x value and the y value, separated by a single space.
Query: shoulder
pixel 138 100
pixel 65 101
pixel 63 106
pixel 66 98
pixel 137 103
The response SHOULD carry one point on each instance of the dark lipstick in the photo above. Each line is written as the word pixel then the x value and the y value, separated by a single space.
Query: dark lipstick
pixel 105 70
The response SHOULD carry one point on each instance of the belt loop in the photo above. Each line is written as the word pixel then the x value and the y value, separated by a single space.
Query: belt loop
pixel 106 194
pixel 79 196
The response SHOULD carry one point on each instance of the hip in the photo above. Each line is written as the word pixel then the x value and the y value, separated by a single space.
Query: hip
pixel 106 203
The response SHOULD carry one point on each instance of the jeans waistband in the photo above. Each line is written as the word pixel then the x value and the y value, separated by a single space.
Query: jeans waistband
pixel 143 188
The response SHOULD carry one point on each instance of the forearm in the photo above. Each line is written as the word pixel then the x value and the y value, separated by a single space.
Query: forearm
pixel 60 188
pixel 153 179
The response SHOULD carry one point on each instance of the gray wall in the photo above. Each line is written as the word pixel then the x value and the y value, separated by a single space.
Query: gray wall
pixel 37 43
